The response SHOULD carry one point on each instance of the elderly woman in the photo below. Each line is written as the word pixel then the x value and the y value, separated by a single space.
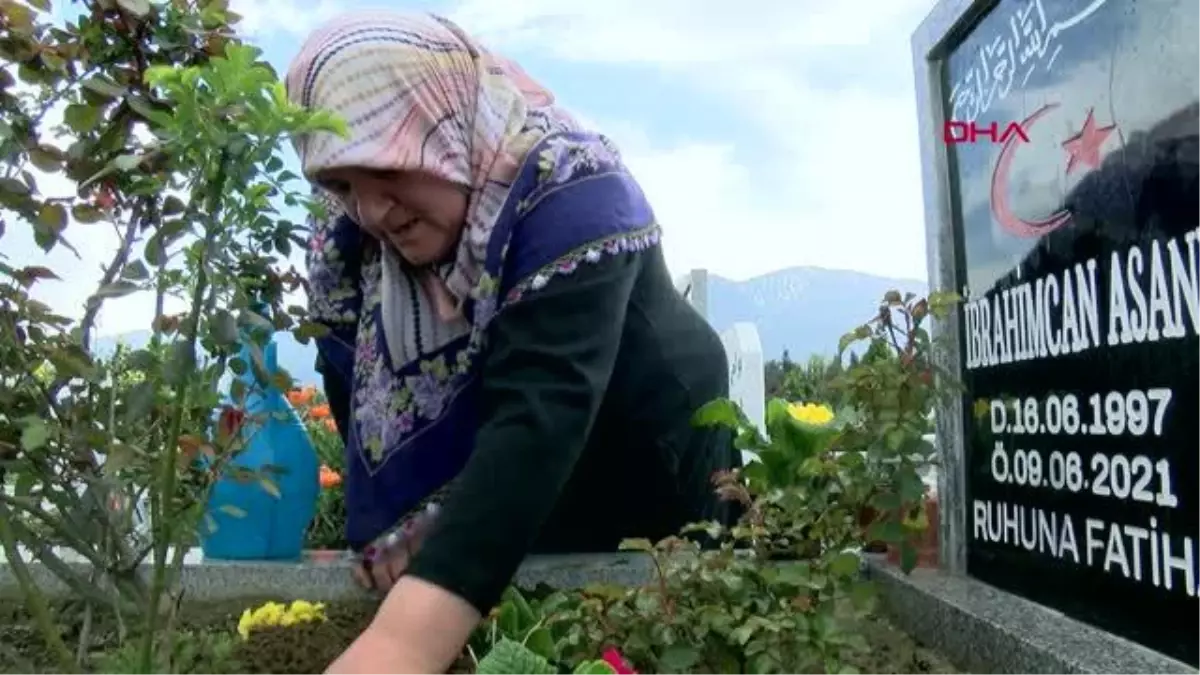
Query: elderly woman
pixel 505 340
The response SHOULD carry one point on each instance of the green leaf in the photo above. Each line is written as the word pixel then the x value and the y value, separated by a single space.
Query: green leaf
pixel 136 271
pixel 678 659
pixel 224 330
pixel 27 276
pixel 82 117
pixel 846 564
pixel 596 667
pixel 845 341
pixel 793 574
pixel 308 330
pixel 640 544
pixel 126 162
pixel 509 656
pixel 25 483
pixel 53 217
pixel 173 205
pixel 35 434
pixel 541 642
pixel 909 484
pixel 86 213
pixel 45 160
pixel 721 411
pixel 525 613
pixel 99 84
pixel 13 186
pixel 886 531
pixel 117 289
pixel 742 634
pixel 147 110
pixel 270 487
pixel 776 413
pixel 232 511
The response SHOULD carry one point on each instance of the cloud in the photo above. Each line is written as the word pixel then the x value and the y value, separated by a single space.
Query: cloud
pixel 826 87
pixel 294 18
pixel 676 32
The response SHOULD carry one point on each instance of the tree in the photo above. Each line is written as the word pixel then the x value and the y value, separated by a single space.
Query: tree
pixel 171 133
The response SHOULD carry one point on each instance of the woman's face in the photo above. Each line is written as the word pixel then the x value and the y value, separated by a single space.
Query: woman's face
pixel 420 215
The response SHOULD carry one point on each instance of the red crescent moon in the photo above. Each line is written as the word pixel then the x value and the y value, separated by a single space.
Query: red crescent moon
pixel 1001 210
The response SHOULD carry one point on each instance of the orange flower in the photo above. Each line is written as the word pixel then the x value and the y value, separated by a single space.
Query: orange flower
pixel 329 477
pixel 319 412
pixel 303 396
pixel 331 424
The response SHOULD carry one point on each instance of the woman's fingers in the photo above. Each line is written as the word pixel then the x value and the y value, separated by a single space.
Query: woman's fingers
pixel 381 572
pixel 362 576
pixel 391 558
pixel 388 568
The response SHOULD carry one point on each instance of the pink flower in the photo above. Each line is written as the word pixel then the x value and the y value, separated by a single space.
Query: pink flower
pixel 613 658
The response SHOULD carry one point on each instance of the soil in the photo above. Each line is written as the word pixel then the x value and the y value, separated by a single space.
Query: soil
pixel 309 648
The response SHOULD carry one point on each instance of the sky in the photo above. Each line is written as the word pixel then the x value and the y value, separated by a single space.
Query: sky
pixel 767 134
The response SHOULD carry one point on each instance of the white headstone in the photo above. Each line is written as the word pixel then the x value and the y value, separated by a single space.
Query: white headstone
pixel 747 380
pixel 743 350
pixel 694 287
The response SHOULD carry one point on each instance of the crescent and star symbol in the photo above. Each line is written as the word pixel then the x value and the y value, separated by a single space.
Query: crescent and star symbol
pixel 1082 148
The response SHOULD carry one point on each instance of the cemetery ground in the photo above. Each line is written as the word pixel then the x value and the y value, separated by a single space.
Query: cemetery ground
pixel 208 642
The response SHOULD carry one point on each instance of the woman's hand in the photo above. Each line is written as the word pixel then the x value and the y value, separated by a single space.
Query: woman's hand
pixel 386 560
pixel 383 570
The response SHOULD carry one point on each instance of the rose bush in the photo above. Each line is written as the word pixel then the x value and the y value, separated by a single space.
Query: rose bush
pixel 168 132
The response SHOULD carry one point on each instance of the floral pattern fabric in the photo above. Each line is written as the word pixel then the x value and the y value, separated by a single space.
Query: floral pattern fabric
pixel 397 409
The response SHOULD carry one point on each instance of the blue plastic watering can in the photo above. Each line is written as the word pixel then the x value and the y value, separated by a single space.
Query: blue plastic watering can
pixel 264 519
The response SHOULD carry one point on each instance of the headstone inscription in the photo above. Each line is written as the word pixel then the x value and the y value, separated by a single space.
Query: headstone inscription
pixel 1077 254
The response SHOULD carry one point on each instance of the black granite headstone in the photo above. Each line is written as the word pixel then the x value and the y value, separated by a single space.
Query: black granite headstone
pixel 1076 237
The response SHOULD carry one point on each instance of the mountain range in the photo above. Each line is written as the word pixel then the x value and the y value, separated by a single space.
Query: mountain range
pixel 803 310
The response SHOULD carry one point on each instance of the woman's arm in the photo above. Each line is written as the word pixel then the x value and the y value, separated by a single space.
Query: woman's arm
pixel 550 359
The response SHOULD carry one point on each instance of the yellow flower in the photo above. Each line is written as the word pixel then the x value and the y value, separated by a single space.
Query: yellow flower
pixel 811 413
pixel 277 614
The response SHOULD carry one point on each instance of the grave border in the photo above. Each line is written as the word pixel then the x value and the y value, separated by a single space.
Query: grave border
pixel 984 629
pixel 928 50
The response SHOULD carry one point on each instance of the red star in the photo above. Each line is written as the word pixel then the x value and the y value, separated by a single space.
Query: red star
pixel 1085 146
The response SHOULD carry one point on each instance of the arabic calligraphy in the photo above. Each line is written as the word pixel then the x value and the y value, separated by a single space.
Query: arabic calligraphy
pixel 1027 44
